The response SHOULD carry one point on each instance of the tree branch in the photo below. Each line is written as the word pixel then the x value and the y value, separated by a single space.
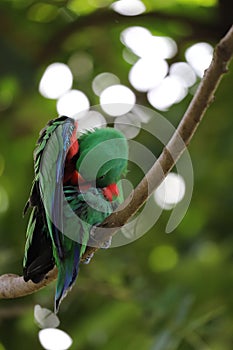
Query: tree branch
pixel 12 286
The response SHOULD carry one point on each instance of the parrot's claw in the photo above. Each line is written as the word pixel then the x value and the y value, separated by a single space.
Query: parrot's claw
pixel 92 232
pixel 107 244
pixel 88 259
pixel 95 243
pixel 92 240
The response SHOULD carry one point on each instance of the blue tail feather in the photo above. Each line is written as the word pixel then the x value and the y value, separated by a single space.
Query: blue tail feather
pixel 67 274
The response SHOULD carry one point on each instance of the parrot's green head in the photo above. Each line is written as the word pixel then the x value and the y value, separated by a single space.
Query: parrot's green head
pixel 103 156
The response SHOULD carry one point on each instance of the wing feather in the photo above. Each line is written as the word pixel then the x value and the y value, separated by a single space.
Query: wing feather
pixel 44 241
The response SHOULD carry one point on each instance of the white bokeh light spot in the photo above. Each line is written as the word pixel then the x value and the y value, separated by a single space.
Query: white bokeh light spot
pixel 56 80
pixel 81 65
pixel 54 339
pixel 184 72
pixel 117 100
pixel 170 192
pixel 147 73
pixel 128 7
pixel 72 103
pixel 199 56
pixel 104 80
pixel 128 124
pixel 136 38
pixel 129 56
pixel 143 44
pixel 156 47
pixel 170 91
pixel 91 120
pixel 45 318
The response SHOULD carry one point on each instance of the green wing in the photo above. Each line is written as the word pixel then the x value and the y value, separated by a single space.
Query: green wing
pixel 41 237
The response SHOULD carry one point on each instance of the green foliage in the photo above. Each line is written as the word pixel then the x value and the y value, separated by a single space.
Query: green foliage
pixel 162 292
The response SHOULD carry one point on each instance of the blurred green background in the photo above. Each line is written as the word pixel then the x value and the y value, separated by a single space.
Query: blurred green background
pixel 125 298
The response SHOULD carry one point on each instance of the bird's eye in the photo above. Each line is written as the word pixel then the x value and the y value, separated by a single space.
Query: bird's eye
pixel 102 177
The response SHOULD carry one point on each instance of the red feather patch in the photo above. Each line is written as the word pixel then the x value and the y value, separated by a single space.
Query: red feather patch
pixel 111 191
pixel 70 170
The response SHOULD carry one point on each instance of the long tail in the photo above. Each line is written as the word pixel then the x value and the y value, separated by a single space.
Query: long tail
pixel 67 274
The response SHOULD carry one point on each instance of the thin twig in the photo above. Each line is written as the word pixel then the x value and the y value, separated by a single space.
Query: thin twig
pixel 12 286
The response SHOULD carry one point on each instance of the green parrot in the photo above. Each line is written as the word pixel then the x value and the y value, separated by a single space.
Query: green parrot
pixel 76 186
